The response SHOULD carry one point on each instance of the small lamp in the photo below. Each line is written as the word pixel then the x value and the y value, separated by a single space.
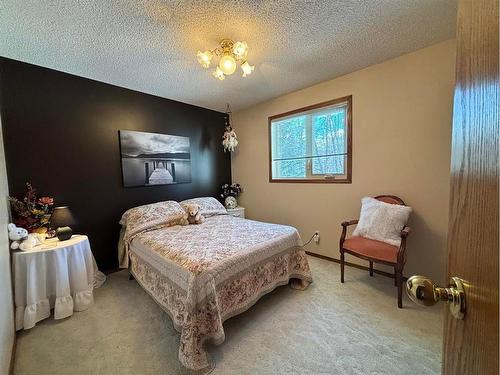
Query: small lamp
pixel 62 218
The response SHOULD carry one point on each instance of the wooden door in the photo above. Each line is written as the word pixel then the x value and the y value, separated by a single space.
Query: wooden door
pixel 471 345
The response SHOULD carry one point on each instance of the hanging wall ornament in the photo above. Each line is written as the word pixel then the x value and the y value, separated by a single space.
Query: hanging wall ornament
pixel 229 139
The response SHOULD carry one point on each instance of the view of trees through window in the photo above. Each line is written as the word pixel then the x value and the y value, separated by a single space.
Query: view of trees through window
pixel 310 145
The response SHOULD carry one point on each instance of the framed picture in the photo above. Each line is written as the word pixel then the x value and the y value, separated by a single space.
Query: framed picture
pixel 154 159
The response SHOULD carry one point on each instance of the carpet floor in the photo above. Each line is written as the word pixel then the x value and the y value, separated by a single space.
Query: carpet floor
pixel 330 328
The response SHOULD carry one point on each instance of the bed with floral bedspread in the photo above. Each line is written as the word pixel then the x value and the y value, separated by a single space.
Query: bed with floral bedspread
pixel 203 274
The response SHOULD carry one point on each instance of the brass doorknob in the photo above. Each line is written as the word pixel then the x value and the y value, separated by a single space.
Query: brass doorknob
pixel 423 291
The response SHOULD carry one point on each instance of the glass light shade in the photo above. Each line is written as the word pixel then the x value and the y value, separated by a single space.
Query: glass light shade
pixel 219 74
pixel 204 58
pixel 227 64
pixel 240 49
pixel 247 68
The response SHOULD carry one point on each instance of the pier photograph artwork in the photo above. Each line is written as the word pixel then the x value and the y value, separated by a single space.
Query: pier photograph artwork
pixel 154 159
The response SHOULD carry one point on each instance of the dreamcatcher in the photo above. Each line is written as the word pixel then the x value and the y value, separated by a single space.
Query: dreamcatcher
pixel 229 139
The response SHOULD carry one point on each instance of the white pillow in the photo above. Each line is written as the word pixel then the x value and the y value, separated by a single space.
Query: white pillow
pixel 209 206
pixel 382 221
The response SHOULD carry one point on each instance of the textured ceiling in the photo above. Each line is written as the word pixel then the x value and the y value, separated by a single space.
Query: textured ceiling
pixel 150 45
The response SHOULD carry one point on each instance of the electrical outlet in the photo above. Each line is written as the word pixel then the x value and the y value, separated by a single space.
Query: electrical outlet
pixel 316 236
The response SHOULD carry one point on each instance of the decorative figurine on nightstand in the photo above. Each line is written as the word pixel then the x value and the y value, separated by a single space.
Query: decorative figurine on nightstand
pixel 62 218
pixel 229 193
pixel 230 202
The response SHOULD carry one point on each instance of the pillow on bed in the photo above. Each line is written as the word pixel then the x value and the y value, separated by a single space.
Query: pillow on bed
pixel 167 212
pixel 209 206
pixel 382 221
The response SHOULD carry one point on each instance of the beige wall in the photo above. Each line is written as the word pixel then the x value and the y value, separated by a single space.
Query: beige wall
pixel 402 112
pixel 6 305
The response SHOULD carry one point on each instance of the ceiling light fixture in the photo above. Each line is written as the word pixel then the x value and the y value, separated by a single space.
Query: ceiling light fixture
pixel 230 54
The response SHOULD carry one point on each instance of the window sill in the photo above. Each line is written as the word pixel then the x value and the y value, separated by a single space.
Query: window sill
pixel 347 180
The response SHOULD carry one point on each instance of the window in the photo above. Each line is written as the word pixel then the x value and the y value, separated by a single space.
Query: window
pixel 312 144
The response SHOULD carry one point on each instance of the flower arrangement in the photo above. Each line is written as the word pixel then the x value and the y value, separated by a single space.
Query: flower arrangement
pixel 233 190
pixel 32 213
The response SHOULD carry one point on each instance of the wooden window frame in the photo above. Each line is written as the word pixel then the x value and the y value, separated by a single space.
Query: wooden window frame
pixel 348 175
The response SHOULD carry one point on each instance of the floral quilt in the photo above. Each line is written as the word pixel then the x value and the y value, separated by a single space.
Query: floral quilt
pixel 202 275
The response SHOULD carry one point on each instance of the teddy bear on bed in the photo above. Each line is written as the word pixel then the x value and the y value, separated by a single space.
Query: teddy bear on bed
pixel 194 214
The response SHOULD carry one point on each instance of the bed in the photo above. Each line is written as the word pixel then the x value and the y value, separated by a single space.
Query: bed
pixel 203 274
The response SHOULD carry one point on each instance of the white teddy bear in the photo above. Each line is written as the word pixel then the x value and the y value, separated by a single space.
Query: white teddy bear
pixel 21 239
pixel 194 214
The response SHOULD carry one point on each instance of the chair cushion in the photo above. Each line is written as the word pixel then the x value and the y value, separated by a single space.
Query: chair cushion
pixel 372 248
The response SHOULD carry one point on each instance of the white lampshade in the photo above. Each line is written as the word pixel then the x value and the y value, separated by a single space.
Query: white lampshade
pixel 204 58
pixel 227 64
pixel 247 68
pixel 240 49
pixel 219 74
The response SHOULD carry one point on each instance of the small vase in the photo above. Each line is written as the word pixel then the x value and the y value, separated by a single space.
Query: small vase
pixel 230 202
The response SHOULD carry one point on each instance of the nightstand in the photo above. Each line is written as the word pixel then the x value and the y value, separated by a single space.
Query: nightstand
pixel 236 212
pixel 59 275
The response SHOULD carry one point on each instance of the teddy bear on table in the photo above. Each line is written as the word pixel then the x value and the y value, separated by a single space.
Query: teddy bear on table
pixel 21 239
pixel 194 214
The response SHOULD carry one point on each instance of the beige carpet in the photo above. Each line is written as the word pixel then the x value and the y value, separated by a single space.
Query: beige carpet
pixel 330 328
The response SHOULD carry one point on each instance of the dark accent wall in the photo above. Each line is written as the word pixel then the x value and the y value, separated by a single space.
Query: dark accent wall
pixel 61 134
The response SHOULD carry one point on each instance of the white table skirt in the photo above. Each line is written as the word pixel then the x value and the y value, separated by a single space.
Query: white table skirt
pixel 59 275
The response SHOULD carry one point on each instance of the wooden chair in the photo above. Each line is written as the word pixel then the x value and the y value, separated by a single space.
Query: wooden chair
pixel 376 251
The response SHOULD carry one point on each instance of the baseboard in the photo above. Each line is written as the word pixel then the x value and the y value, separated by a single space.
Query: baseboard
pixel 383 273
pixel 13 355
